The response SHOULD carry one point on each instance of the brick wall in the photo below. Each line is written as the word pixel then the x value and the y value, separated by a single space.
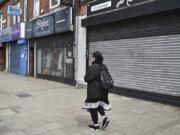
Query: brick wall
pixel 44 8
pixel 3 8
pixel 30 9
pixel 81 8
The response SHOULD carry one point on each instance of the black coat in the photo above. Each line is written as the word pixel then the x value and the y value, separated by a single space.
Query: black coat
pixel 94 90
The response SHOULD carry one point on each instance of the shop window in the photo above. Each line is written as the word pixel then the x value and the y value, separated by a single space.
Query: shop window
pixel 54 3
pixel 36 9
pixel 50 62
pixel 55 62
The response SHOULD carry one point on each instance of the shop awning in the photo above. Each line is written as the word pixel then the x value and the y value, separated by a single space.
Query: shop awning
pixel 130 12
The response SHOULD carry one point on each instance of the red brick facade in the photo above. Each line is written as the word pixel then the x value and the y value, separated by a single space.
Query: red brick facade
pixel 30 9
pixel 44 8
pixel 4 6
pixel 81 8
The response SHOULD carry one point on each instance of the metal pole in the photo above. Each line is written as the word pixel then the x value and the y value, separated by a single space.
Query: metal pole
pixel 74 36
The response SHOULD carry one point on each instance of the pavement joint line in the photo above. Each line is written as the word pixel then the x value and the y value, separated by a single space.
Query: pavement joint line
pixel 36 90
pixel 56 109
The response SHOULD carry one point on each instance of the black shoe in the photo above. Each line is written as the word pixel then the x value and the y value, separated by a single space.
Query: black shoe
pixel 105 122
pixel 95 128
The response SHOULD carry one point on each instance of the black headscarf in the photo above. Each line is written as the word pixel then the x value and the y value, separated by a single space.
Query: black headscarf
pixel 98 58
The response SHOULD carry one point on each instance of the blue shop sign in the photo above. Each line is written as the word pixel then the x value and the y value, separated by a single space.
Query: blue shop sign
pixel 43 26
pixel 63 20
pixel 6 35
pixel 28 30
pixel 14 10
pixel 22 41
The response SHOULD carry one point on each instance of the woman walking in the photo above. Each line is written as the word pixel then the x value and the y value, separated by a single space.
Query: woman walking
pixel 97 97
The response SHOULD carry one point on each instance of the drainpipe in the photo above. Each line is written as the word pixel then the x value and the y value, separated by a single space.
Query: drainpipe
pixel 74 37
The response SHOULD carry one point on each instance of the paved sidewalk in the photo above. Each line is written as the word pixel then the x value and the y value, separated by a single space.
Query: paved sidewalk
pixel 30 106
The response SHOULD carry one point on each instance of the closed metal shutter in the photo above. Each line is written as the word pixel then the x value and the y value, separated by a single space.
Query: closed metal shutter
pixel 18 59
pixel 148 64
pixel 166 23
pixel 55 57
pixel 15 58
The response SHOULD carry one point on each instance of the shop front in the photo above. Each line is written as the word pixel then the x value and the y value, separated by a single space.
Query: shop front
pixel 52 37
pixel 18 50
pixel 55 58
pixel 2 57
pixel 140 41
pixel 5 39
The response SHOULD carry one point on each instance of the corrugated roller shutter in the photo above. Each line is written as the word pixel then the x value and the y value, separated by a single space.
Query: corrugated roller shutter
pixel 148 64
pixel 15 58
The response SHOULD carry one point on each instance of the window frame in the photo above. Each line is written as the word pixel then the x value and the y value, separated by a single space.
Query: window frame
pixel 34 5
pixel 52 7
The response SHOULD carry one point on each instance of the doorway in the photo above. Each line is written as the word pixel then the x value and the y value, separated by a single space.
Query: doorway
pixel 2 58
pixel 31 61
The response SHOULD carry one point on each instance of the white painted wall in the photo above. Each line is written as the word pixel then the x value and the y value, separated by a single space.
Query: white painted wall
pixel 7 58
pixel 80 52
pixel 22 25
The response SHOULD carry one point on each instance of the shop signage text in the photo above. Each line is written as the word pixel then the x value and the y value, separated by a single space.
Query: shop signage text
pixel 126 3
pixel 60 21
pixel 43 26
pixel 121 2
pixel 100 6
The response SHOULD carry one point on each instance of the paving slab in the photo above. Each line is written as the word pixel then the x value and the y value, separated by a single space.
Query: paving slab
pixel 31 106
